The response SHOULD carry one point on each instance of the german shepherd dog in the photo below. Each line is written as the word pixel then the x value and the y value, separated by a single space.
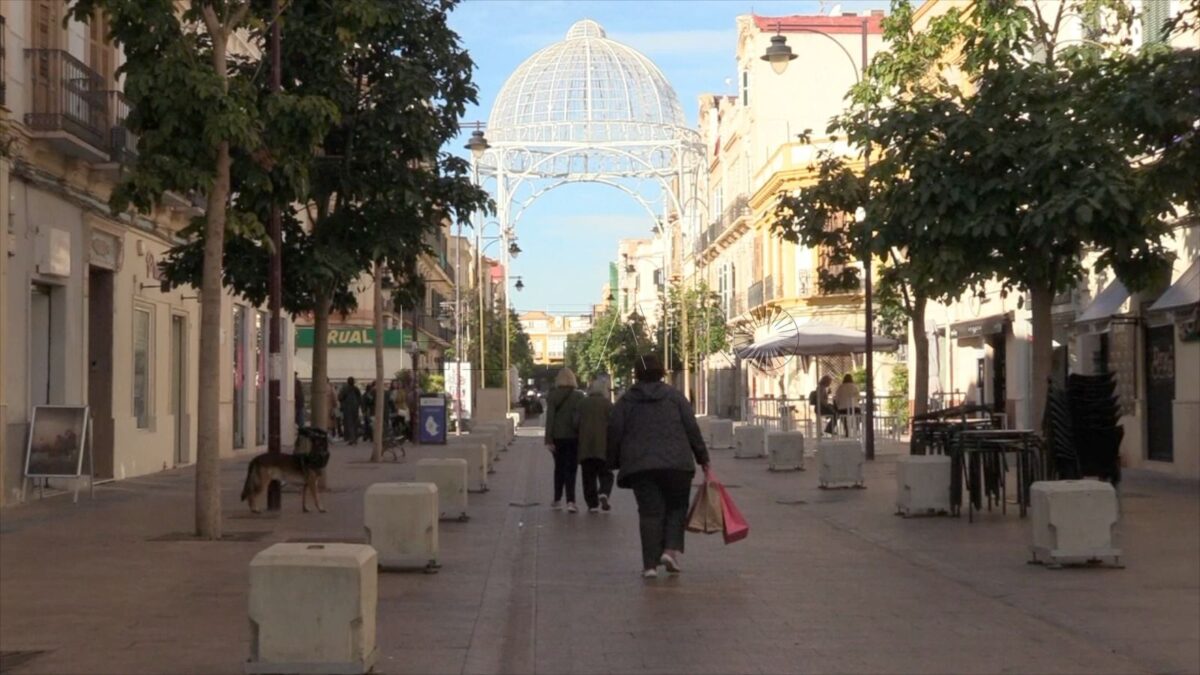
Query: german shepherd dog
pixel 305 465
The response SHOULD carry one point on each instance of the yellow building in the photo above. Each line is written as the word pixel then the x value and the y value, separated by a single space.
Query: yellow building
pixel 548 333
pixel 754 154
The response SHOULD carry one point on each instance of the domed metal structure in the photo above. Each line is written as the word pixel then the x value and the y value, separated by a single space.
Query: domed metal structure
pixel 586 88
pixel 590 109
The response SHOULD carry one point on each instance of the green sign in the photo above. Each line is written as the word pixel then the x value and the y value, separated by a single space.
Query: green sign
pixel 354 336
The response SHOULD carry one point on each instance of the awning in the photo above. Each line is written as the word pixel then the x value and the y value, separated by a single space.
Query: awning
pixel 814 339
pixel 1183 295
pixel 995 324
pixel 1107 304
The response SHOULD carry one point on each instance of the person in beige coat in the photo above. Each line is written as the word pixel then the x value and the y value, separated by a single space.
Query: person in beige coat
pixel 593 446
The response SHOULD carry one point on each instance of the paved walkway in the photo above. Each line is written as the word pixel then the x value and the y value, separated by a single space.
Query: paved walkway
pixel 835 584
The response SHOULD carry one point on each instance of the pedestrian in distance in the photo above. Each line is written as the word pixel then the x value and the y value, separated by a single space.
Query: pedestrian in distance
pixel 368 412
pixel 846 400
pixel 350 399
pixel 562 435
pixel 822 406
pixel 594 412
pixel 655 443
pixel 332 410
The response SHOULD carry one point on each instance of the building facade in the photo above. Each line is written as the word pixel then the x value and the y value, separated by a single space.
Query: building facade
pixel 754 154
pixel 548 334
pixel 83 313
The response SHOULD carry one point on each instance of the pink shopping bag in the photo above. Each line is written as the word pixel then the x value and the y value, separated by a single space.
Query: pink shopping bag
pixel 736 527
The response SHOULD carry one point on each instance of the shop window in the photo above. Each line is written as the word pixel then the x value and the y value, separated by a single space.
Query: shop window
pixel 142 339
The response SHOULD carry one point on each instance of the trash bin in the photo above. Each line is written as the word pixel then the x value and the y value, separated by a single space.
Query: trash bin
pixel 432 418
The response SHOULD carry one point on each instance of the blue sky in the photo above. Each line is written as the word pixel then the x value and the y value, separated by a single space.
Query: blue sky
pixel 570 234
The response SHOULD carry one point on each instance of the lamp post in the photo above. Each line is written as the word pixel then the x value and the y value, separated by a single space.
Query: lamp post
pixel 779 55
pixel 478 145
pixel 482 243
pixel 275 295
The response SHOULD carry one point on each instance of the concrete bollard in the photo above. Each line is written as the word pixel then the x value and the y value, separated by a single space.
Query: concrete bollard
pixel 401 520
pixel 493 438
pixel 922 484
pixel 786 450
pixel 720 435
pixel 516 418
pixel 475 452
pixel 750 441
pixel 487 440
pixel 312 609
pixel 450 477
pixel 841 463
pixel 704 422
pixel 1073 522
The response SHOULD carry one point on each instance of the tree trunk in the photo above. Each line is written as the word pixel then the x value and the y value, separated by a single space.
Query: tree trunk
pixel 320 362
pixel 1043 352
pixel 208 399
pixel 921 357
pixel 377 427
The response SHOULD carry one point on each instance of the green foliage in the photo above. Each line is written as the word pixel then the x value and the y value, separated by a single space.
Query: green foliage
pixel 896 406
pixel 612 345
pixel 520 349
pixel 433 383
pixel 706 332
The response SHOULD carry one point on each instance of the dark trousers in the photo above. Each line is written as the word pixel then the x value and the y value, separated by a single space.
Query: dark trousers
pixel 597 480
pixel 350 428
pixel 662 499
pixel 566 460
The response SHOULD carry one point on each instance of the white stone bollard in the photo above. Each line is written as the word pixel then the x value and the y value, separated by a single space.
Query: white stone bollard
pixel 1073 521
pixel 720 435
pixel 475 452
pixel 401 520
pixel 493 437
pixel 450 477
pixel 841 463
pixel 750 441
pixel 704 422
pixel 312 609
pixel 786 450
pixel 922 484
pixel 516 418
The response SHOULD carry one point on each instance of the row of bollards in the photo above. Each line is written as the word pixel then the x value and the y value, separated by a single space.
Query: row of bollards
pixel 313 605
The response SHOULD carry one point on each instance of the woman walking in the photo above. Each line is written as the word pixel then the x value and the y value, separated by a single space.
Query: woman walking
pixel 594 412
pixel 654 440
pixel 562 435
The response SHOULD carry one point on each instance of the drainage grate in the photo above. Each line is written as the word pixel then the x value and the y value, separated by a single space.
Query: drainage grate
pixel 12 659
pixel 255 535
pixel 523 505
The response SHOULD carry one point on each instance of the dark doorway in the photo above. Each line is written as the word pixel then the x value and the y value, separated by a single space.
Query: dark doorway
pixel 999 370
pixel 179 388
pixel 100 368
pixel 1160 392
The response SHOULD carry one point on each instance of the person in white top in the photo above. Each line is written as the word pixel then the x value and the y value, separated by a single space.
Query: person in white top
pixel 846 400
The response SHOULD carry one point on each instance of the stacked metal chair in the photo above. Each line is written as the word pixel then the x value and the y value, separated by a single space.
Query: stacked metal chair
pixel 1062 461
pixel 1097 435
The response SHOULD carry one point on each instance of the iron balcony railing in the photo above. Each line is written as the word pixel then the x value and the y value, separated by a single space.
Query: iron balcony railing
pixel 754 297
pixel 808 284
pixel 67 96
pixel 122 142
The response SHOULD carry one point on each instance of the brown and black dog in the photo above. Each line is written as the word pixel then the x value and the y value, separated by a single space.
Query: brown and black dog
pixel 302 467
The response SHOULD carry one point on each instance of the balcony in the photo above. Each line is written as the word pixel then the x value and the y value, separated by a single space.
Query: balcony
pixel 754 297
pixel 68 105
pixel 808 284
pixel 3 62
pixel 122 142
pixel 739 208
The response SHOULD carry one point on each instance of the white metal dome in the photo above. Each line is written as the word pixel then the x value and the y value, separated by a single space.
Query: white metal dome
pixel 586 89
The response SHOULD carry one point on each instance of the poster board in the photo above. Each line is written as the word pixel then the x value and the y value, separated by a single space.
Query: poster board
pixel 57 440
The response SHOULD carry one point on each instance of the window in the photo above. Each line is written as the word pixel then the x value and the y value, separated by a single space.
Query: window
pixel 142 337
pixel 746 87
pixel 1155 14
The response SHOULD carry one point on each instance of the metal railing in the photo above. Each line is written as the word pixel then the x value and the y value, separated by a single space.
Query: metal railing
pixel 3 61
pixel 66 96
pixel 808 284
pixel 738 208
pixel 122 143
pixel 795 414
pixel 754 297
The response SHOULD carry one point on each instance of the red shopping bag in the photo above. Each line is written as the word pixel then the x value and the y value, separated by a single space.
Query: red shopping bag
pixel 736 527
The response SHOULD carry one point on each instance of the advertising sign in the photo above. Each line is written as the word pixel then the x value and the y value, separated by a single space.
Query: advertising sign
pixel 354 336
pixel 56 441
pixel 432 420
pixel 459 392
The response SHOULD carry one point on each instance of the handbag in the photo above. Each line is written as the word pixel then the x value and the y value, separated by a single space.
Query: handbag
pixel 705 514
pixel 734 526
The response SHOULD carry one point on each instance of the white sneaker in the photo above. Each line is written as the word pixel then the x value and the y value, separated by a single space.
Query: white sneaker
pixel 592 509
pixel 604 502
pixel 571 508
pixel 650 574
pixel 670 563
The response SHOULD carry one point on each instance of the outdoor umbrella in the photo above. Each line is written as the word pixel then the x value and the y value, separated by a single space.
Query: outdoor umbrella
pixel 814 339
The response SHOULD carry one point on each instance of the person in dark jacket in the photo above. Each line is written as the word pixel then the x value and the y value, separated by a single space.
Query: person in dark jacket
pixel 350 399
pixel 593 446
pixel 562 435
pixel 655 443
pixel 298 394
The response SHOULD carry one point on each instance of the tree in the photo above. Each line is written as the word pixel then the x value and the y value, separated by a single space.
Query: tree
pixel 1034 171
pixel 896 111
pixel 380 182
pixel 192 115
pixel 520 350
pixel 705 332
pixel 613 345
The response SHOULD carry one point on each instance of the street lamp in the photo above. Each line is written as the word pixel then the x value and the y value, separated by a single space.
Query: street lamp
pixel 477 144
pixel 520 285
pixel 514 250
pixel 779 55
